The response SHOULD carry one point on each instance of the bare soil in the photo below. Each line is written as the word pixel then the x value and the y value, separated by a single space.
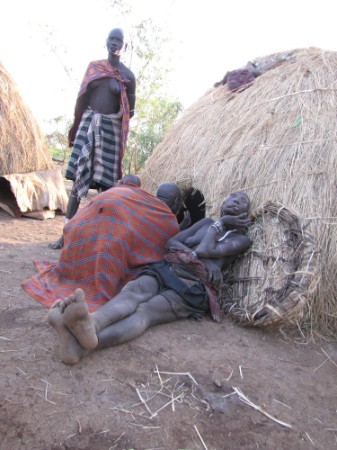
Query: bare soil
pixel 172 388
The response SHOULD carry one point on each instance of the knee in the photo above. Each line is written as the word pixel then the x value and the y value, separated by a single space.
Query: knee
pixel 120 333
pixel 135 289
pixel 141 322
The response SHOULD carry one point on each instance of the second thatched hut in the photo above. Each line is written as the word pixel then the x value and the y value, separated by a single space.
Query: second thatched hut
pixel 277 140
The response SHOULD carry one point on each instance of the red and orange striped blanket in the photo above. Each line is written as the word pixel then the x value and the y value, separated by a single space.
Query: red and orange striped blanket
pixel 106 244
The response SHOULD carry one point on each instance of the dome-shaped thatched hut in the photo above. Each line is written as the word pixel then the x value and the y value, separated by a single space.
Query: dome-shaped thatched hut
pixel 277 140
pixel 23 147
pixel 29 181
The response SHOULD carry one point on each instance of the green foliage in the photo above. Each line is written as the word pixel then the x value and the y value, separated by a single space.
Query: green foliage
pixel 58 138
pixel 158 116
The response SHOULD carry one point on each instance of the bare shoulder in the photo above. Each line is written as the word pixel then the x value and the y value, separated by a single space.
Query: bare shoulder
pixel 127 73
pixel 202 223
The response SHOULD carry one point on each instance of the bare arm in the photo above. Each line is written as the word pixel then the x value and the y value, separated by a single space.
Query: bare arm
pixel 80 106
pixel 211 248
pixel 181 240
pixel 131 93
pixel 186 222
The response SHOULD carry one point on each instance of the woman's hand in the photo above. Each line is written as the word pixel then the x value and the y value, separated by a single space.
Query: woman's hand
pixel 214 274
pixel 242 220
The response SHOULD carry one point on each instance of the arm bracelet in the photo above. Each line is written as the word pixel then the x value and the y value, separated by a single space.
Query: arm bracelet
pixel 217 225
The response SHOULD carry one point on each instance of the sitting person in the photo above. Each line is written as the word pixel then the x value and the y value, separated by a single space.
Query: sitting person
pixel 127 179
pixel 108 242
pixel 185 284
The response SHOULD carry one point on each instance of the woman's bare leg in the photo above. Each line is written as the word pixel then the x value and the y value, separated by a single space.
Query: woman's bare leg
pixel 85 326
pixel 152 312
pixel 72 207
pixel 70 350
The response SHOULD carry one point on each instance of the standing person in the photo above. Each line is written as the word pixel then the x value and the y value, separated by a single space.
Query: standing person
pixel 104 106
pixel 185 284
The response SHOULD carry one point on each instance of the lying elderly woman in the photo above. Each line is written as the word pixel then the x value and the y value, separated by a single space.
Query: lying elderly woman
pixel 185 284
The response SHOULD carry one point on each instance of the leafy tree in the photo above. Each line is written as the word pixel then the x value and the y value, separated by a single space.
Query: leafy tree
pixel 58 138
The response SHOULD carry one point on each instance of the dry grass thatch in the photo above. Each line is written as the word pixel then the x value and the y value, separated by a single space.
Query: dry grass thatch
pixel 23 147
pixel 277 141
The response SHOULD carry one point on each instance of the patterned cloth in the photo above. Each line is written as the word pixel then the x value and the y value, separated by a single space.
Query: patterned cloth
pixel 197 267
pixel 96 70
pixel 94 157
pixel 106 244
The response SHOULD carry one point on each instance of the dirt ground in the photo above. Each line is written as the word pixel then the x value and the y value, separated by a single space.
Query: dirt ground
pixel 173 388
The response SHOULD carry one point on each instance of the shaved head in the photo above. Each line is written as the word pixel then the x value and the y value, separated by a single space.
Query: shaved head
pixel 130 178
pixel 170 194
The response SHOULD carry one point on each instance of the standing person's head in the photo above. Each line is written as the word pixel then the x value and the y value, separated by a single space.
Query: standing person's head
pixel 115 41
pixel 130 178
pixel 170 194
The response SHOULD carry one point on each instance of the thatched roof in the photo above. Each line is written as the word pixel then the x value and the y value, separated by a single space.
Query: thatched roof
pixel 23 147
pixel 277 140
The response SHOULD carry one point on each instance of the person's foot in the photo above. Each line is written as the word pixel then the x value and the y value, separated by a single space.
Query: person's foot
pixel 76 318
pixel 58 244
pixel 70 350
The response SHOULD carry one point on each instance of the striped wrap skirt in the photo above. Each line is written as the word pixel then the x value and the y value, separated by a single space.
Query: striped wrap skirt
pixel 94 161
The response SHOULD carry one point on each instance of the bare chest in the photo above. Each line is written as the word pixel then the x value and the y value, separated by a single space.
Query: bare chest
pixel 107 85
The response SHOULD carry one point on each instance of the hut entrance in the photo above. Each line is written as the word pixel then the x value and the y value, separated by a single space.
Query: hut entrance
pixel 194 202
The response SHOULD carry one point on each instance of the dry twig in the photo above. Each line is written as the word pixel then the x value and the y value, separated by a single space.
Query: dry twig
pixel 199 436
pixel 259 408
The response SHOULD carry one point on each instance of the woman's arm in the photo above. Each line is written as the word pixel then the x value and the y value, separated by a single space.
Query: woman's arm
pixel 211 248
pixel 181 239
pixel 131 92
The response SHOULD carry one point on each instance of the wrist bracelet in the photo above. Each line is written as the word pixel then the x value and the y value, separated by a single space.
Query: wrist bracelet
pixel 217 225
pixel 194 253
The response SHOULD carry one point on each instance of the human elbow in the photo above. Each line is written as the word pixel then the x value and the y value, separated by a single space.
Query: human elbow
pixel 169 244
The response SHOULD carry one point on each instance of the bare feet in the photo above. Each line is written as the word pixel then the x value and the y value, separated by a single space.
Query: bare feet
pixel 77 319
pixel 58 244
pixel 70 350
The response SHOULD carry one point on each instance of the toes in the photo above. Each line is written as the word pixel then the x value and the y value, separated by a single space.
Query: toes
pixel 57 304
pixel 68 300
pixel 79 294
pixel 54 316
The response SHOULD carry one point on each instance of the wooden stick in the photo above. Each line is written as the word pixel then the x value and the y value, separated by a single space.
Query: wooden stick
pixel 199 436
pixel 144 402
pixel 328 356
pixel 180 373
pixel 168 403
pixel 258 408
